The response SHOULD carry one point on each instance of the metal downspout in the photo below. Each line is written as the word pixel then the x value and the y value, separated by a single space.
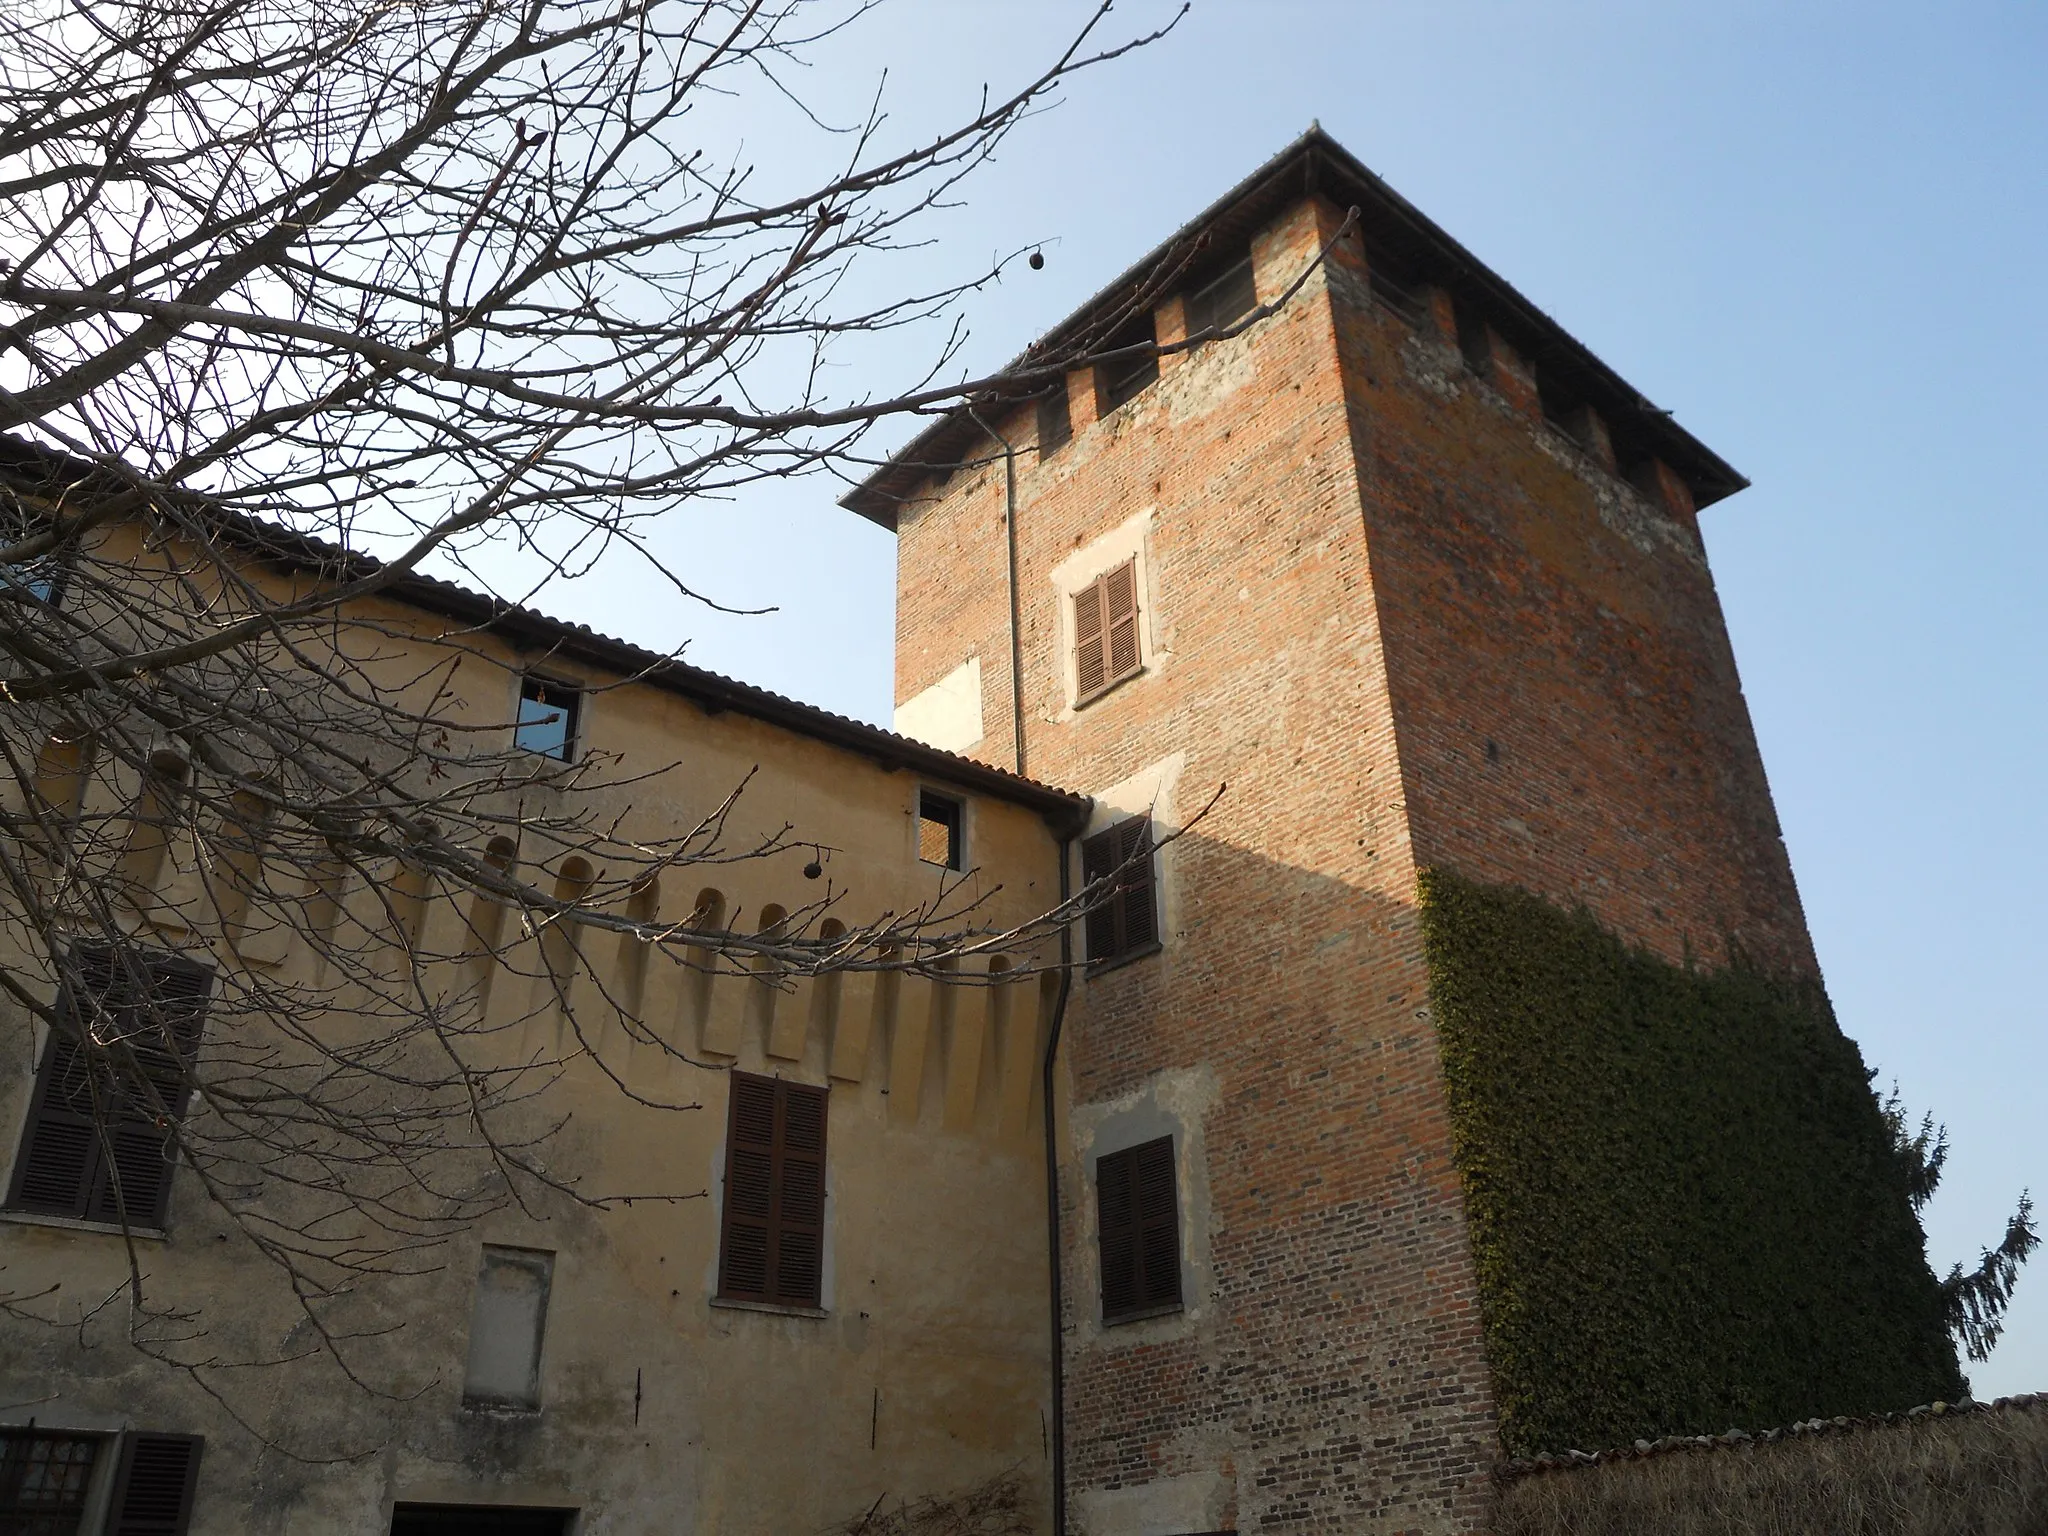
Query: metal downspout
pixel 1058 1433
pixel 1052 1207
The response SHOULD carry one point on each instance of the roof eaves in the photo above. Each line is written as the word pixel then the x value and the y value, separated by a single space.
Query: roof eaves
pixel 1315 162
pixel 716 693
pixel 531 628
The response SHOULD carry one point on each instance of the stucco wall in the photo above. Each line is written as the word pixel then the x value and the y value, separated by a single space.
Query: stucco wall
pixel 927 1371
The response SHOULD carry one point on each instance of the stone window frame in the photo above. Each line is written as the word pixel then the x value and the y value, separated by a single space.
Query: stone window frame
pixel 1175 1102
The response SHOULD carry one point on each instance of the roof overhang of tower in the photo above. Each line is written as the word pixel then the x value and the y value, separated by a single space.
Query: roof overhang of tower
pixel 1317 165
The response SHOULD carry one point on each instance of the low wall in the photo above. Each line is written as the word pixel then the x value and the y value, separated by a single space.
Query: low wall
pixel 1966 1469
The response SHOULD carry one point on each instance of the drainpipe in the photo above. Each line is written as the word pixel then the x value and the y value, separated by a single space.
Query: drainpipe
pixel 1052 1206
pixel 1010 535
pixel 1059 1007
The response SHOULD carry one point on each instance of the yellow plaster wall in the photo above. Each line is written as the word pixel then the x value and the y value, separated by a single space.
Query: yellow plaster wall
pixel 662 1411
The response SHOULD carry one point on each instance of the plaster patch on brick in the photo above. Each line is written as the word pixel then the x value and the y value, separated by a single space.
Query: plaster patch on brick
pixel 1623 510
pixel 1166 1506
pixel 1648 527
pixel 946 715
pixel 1434 366
pixel 1148 792
pixel 1206 378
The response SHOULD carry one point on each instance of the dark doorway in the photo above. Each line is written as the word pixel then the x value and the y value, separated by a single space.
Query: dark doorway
pixel 478 1520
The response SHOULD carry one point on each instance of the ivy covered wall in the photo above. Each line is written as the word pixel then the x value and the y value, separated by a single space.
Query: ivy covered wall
pixel 1684 1206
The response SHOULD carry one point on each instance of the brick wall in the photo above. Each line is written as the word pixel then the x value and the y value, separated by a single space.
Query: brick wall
pixel 1408 620
pixel 1569 714
pixel 1328 1373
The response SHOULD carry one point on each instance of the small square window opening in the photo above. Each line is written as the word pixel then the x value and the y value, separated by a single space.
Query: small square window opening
pixel 1224 301
pixel 1125 377
pixel 939 819
pixel 547 718
pixel 39 581
pixel 33 581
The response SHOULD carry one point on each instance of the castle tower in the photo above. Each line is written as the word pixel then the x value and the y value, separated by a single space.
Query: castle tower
pixel 1398 590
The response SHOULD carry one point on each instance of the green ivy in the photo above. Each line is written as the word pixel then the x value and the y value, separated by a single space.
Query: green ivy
pixel 1685 1209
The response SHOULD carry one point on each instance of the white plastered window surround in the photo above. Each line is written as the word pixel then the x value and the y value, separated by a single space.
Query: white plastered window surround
pixel 1175 1103
pixel 1152 791
pixel 1130 540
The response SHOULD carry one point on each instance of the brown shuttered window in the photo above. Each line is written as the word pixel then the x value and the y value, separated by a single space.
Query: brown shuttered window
pixel 153 1490
pixel 772 1248
pixel 95 1148
pixel 1138 1218
pixel 1106 632
pixel 1124 919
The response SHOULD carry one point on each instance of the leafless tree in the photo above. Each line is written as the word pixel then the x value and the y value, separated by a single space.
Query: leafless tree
pixel 299 303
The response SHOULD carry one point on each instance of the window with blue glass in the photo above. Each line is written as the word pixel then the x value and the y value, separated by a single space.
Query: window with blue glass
pixel 28 581
pixel 34 581
pixel 548 713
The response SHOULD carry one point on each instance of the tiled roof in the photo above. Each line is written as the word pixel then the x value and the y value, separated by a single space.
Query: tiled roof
pixel 1317 163
pixel 32 465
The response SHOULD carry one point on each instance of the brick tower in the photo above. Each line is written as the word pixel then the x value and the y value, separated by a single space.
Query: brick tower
pixel 1420 581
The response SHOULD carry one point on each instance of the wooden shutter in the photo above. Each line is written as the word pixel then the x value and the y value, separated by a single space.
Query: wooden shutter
pixel 1091 660
pixel 60 1147
pixel 1098 859
pixel 1138 1228
pixel 1124 919
pixel 773 1245
pixel 1120 620
pixel 800 1196
pixel 1136 907
pixel 1106 649
pixel 154 1487
pixel 114 1163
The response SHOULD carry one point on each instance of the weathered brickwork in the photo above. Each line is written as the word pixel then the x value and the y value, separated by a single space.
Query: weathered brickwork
pixel 1408 621
pixel 1569 714
pixel 1327 1374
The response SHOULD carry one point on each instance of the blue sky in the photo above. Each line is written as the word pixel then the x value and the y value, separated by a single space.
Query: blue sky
pixel 1814 231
